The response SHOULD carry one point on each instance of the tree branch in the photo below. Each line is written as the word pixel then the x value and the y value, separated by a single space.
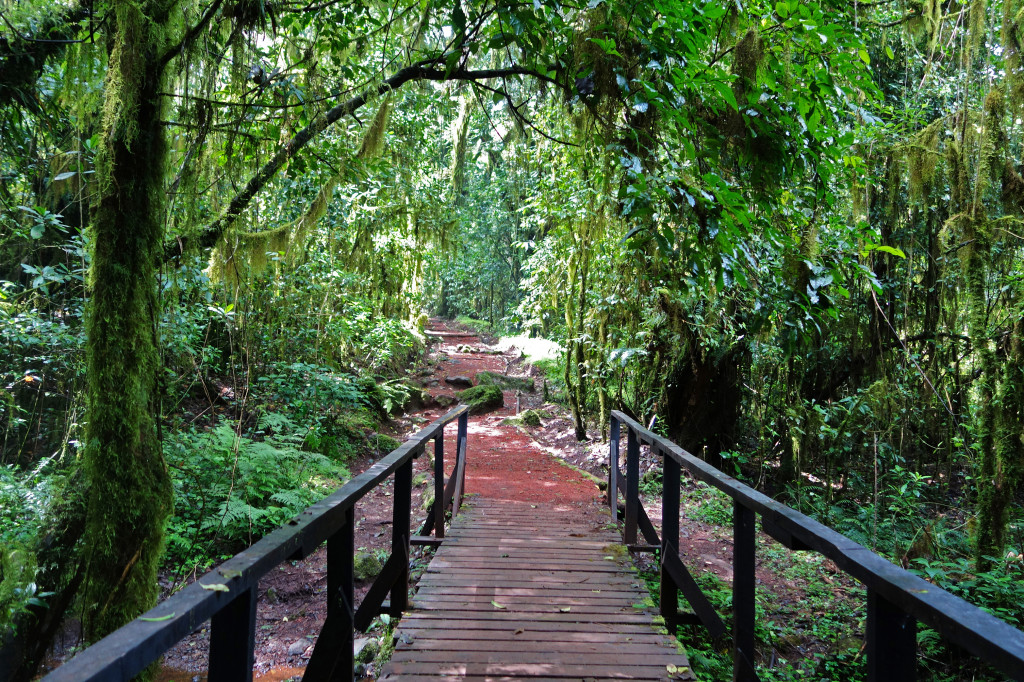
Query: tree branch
pixel 191 34
pixel 425 70
pixel 22 58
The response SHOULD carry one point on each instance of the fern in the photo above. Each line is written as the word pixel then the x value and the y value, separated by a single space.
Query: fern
pixel 230 490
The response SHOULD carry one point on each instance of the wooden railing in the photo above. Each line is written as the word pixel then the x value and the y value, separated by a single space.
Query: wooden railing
pixel 896 599
pixel 226 596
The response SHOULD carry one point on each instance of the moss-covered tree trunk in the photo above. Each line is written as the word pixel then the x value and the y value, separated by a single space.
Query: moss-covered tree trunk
pixel 129 489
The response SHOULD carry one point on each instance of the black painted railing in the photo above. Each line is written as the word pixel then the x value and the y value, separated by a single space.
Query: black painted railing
pixel 226 596
pixel 896 599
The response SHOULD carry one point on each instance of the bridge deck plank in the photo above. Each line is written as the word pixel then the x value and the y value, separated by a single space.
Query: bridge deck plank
pixel 516 593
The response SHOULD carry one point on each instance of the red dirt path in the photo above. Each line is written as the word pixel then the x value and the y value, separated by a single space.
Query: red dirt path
pixel 502 461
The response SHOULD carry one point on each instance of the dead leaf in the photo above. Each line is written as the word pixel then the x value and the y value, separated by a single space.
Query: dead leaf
pixel 519 631
pixel 215 587
pixel 565 609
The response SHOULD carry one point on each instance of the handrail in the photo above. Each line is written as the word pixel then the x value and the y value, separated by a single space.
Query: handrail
pixel 897 599
pixel 227 594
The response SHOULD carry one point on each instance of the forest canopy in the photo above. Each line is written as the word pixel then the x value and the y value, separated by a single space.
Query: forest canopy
pixel 789 232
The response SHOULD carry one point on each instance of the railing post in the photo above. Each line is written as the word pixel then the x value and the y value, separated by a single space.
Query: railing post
pixel 892 641
pixel 743 592
pixel 460 462
pixel 613 468
pixel 439 483
pixel 332 656
pixel 669 535
pixel 401 509
pixel 233 639
pixel 632 486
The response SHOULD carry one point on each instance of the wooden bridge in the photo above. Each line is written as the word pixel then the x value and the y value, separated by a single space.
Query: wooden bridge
pixel 522 590
pixel 517 592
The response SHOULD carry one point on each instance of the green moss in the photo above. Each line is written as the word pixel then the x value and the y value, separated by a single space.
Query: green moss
pixel 366 565
pixel 428 498
pixel 130 494
pixel 504 381
pixel 526 418
pixel 530 418
pixel 384 444
pixel 616 550
pixel 599 482
pixel 482 398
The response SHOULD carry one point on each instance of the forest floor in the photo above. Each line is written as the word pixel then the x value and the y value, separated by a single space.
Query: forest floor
pixel 505 461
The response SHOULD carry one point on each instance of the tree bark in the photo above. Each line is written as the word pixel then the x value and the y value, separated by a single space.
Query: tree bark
pixel 130 494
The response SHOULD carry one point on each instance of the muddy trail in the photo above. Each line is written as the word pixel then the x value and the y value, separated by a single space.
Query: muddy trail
pixel 504 462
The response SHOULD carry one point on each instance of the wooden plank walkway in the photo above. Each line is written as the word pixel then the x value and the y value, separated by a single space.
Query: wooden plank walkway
pixel 515 593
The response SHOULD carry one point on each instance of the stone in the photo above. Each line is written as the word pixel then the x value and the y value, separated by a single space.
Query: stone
pixel 299 646
pixel 482 399
pixel 445 400
pixel 459 381
pixel 365 649
pixel 505 381
pixel 530 418
pixel 366 565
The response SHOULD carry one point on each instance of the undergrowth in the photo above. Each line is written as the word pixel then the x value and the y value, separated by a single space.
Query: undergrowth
pixel 232 489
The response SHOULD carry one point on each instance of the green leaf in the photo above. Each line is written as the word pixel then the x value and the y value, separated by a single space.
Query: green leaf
pixel 458 19
pixel 864 56
pixel 888 52
pixel 497 605
pixel 727 94
pixel 215 587
pixel 891 250
pixel 157 619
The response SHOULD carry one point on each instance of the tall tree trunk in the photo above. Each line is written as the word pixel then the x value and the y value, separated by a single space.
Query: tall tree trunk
pixel 130 492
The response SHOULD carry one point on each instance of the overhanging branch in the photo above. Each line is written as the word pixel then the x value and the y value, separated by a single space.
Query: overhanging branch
pixel 425 70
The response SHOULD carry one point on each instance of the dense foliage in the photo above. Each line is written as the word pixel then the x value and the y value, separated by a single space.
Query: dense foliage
pixel 787 231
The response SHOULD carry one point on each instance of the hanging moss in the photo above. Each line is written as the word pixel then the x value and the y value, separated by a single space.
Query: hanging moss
pixel 923 158
pixel 373 140
pixel 460 135
pixel 243 254
pixel 1013 50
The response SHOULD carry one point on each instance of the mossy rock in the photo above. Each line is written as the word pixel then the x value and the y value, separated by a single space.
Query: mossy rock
pixel 482 398
pixel 368 651
pixel 504 381
pixel 530 418
pixel 445 400
pixel 383 444
pixel 419 479
pixel 366 565
pixel 527 418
